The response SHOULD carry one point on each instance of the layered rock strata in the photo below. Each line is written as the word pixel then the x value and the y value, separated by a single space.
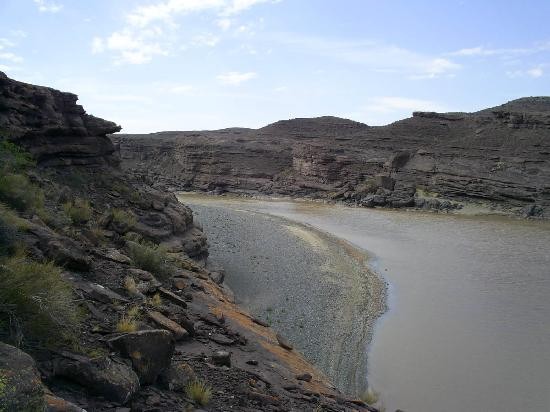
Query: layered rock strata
pixel 497 158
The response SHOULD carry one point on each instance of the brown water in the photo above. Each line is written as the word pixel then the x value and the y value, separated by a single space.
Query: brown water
pixel 468 326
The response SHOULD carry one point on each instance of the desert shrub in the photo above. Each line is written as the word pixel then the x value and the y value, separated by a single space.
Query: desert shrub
pixel 11 218
pixel 128 322
pixel 151 257
pixel 96 235
pixel 155 301
pixel 35 297
pixel 199 391
pixel 130 285
pixel 18 192
pixel 13 157
pixel 124 218
pixel 79 210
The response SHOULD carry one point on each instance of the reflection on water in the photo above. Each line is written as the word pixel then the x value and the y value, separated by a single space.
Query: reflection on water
pixel 469 320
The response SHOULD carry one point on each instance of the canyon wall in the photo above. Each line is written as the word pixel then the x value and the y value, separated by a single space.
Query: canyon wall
pixel 498 157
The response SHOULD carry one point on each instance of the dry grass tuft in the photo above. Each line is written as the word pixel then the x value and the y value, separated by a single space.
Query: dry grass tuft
pixel 129 321
pixel 36 299
pixel 79 211
pixel 199 391
pixel 156 301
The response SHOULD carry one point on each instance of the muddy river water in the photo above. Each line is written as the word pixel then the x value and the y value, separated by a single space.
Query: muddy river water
pixel 468 320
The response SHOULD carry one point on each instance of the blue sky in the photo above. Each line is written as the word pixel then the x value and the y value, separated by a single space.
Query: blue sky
pixel 154 65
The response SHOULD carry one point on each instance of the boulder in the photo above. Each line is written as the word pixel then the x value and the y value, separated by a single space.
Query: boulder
pixel 149 350
pixel 20 385
pixel 221 358
pixel 221 339
pixel 116 256
pixel 172 297
pixel 179 332
pixel 101 376
pixel 63 250
pixel 177 376
pixel 306 377
pixel 100 293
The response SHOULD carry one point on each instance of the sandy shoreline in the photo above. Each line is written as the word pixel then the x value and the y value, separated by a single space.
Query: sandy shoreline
pixel 314 288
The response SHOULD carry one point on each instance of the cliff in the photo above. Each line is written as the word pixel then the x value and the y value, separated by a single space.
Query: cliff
pixel 105 303
pixel 497 158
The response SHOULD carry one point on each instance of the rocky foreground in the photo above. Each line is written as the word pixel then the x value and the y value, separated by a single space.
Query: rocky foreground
pixel 496 159
pixel 105 304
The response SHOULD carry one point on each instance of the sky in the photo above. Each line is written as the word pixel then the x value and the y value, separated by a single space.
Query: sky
pixel 153 65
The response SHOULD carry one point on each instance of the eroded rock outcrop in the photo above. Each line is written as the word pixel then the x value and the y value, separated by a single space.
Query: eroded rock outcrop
pixel 498 157
pixel 50 124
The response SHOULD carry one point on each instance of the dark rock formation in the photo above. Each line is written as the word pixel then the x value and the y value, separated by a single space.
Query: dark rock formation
pixel 20 385
pixel 149 350
pixel 52 126
pixel 498 157
pixel 112 380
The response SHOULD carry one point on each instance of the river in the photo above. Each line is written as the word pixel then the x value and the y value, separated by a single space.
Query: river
pixel 468 324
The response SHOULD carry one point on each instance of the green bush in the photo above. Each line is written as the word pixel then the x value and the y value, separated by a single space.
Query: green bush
pixel 152 258
pixel 79 211
pixel 123 218
pixel 13 157
pixel 35 296
pixel 17 191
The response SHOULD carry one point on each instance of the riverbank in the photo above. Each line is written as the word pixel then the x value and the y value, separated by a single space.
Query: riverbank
pixel 314 288
pixel 466 209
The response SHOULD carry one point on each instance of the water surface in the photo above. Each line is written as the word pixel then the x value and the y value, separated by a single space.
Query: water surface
pixel 468 326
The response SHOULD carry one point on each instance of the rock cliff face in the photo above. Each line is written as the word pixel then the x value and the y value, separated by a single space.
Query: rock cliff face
pixel 52 126
pixel 498 157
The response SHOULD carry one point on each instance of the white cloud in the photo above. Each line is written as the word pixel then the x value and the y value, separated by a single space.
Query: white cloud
pixel 45 6
pixel 8 55
pixel 131 47
pixel 166 10
pixel 152 30
pixel 535 72
pixel 5 43
pixel 235 78
pixel 237 6
pixel 376 56
pixel 11 57
pixel 97 45
pixel 481 51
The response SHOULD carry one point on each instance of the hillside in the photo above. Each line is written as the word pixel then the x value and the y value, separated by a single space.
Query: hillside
pixel 105 302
